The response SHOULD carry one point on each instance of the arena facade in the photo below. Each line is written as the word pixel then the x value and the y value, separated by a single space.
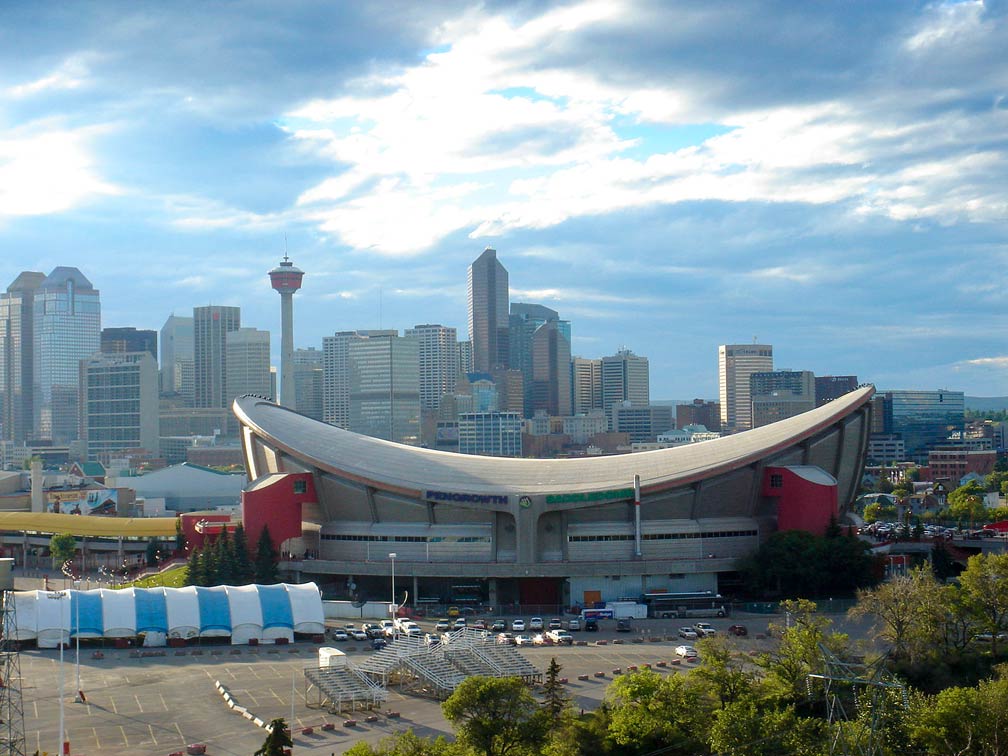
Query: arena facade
pixel 533 531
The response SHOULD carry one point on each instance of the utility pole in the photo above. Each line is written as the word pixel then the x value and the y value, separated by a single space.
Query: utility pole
pixel 12 736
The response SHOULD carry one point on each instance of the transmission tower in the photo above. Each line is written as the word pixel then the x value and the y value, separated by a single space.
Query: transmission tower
pixel 12 734
pixel 859 698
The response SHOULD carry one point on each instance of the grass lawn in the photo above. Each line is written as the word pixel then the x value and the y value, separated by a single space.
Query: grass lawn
pixel 173 578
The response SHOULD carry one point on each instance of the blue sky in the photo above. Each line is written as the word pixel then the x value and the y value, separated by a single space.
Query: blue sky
pixel 829 178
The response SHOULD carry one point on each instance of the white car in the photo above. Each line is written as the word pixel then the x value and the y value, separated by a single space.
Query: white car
pixel 505 639
pixel 560 637
pixel 686 652
pixel 523 640
pixel 574 625
pixel 442 626
pixel 536 623
pixel 340 636
pixel 460 623
pixel 518 625
pixel 704 629
pixel 358 635
pixel 688 633
pixel 539 639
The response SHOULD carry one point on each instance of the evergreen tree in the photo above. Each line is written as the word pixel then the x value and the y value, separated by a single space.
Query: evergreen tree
pixel 278 739
pixel 555 700
pixel 194 568
pixel 265 562
pixel 225 558
pixel 244 569
pixel 208 566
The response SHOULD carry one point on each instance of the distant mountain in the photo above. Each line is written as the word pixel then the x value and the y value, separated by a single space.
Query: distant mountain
pixel 987 403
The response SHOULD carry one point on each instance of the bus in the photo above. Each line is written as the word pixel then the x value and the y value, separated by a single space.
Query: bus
pixel 694 604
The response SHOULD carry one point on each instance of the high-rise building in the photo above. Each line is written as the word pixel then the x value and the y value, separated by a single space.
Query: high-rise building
pixel 524 322
pixel 550 390
pixel 248 363
pixel 641 423
pixel 67 329
pixel 177 354
pixel 736 362
pixel 491 434
pixel 385 387
pixel 286 279
pixel 308 382
pixel 465 359
pixel 780 394
pixel 625 378
pixel 830 387
pixel 211 324
pixel 336 375
pixel 488 312
pixel 17 350
pixel 700 412
pixel 925 419
pixel 438 355
pixel 586 385
pixel 119 403
pixel 119 340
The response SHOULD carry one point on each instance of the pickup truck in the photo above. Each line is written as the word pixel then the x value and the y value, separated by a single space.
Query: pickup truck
pixel 560 637
pixel 703 629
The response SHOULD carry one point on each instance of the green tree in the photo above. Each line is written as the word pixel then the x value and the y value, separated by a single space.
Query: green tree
pixel 967 503
pixel 996 480
pixel 266 559
pixel 648 712
pixel 909 612
pixel 407 744
pixel 277 740
pixel 726 674
pixel 62 548
pixel 884 485
pixel 194 568
pixel 750 727
pixel 496 716
pixel 151 553
pixel 797 563
pixel 985 591
pixel 244 569
pixel 555 700
pixel 962 720
pixel 180 539
pixel 224 557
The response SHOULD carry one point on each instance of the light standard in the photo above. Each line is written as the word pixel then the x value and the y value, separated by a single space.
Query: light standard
pixel 392 606
pixel 60 596
pixel 68 571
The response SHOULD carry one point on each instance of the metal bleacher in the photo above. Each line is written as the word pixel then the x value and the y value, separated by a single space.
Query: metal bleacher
pixel 342 688
pixel 439 667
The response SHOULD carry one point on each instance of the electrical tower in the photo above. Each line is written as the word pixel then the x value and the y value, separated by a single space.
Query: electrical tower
pixel 12 735
pixel 859 699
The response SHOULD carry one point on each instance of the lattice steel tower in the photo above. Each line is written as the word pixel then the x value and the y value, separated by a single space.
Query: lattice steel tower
pixel 12 735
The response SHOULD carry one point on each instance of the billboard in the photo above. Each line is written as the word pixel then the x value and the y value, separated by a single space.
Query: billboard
pixel 94 501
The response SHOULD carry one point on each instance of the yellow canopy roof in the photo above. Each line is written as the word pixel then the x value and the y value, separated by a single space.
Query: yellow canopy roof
pixel 83 525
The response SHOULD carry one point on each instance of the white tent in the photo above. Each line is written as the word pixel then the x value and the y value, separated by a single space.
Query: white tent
pixel 86 609
pixel 118 613
pixel 183 612
pixel 26 608
pixel 52 623
pixel 246 613
pixel 215 614
pixel 306 608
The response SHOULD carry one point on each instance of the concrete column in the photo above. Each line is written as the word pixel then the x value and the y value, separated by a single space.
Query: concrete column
pixel 416 589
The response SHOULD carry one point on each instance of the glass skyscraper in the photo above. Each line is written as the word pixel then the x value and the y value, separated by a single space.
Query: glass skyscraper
pixel 488 312
pixel 385 387
pixel 67 329
pixel 211 324
pixel 17 348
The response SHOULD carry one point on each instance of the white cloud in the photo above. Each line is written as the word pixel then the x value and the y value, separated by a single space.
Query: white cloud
pixel 46 170
pixel 73 73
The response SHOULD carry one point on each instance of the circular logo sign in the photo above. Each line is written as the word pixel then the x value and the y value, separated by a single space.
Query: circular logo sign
pixel 525 502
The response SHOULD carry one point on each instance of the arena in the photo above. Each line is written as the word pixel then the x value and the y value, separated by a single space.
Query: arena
pixel 563 532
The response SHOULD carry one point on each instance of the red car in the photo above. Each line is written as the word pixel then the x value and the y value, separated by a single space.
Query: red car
pixel 739 630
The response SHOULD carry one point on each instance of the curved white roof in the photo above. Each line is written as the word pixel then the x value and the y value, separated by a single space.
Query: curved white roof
pixel 412 470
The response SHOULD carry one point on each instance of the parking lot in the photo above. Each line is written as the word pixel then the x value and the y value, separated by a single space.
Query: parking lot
pixel 162 701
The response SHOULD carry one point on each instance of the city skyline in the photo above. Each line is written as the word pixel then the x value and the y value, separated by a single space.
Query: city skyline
pixel 828 180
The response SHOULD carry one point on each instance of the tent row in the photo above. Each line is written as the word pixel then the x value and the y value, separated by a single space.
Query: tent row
pixel 262 612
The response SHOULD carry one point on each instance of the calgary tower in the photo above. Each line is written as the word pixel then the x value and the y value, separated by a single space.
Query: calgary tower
pixel 286 279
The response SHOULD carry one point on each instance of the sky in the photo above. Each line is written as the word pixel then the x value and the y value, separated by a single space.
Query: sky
pixel 828 178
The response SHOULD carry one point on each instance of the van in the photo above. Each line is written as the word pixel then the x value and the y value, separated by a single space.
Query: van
pixel 623 625
pixel 591 625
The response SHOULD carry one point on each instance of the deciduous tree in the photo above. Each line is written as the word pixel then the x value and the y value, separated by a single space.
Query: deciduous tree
pixel 496 716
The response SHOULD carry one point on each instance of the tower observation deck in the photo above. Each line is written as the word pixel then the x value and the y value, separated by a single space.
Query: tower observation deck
pixel 286 279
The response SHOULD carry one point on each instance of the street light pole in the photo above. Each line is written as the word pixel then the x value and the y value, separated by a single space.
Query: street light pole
pixel 393 606
pixel 61 596
pixel 80 690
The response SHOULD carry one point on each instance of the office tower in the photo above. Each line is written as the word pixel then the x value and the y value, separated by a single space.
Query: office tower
pixel 586 385
pixel 438 355
pixel 286 279
pixel 465 357
pixel 17 349
pixel 551 359
pixel 625 378
pixel 308 382
pixel 211 324
pixel 924 419
pixel 385 387
pixel 491 434
pixel 736 362
pixel 177 352
pixel 779 394
pixel 119 403
pixel 336 375
pixel 67 328
pixel 488 312
pixel 641 422
pixel 523 323
pixel 119 340
pixel 830 387
pixel 700 412
pixel 248 363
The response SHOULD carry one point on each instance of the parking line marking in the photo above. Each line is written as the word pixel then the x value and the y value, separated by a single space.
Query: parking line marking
pixel 139 706
pixel 112 704
pixel 125 739
pixel 163 703
pixel 179 731
pixel 151 728
pixel 96 740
